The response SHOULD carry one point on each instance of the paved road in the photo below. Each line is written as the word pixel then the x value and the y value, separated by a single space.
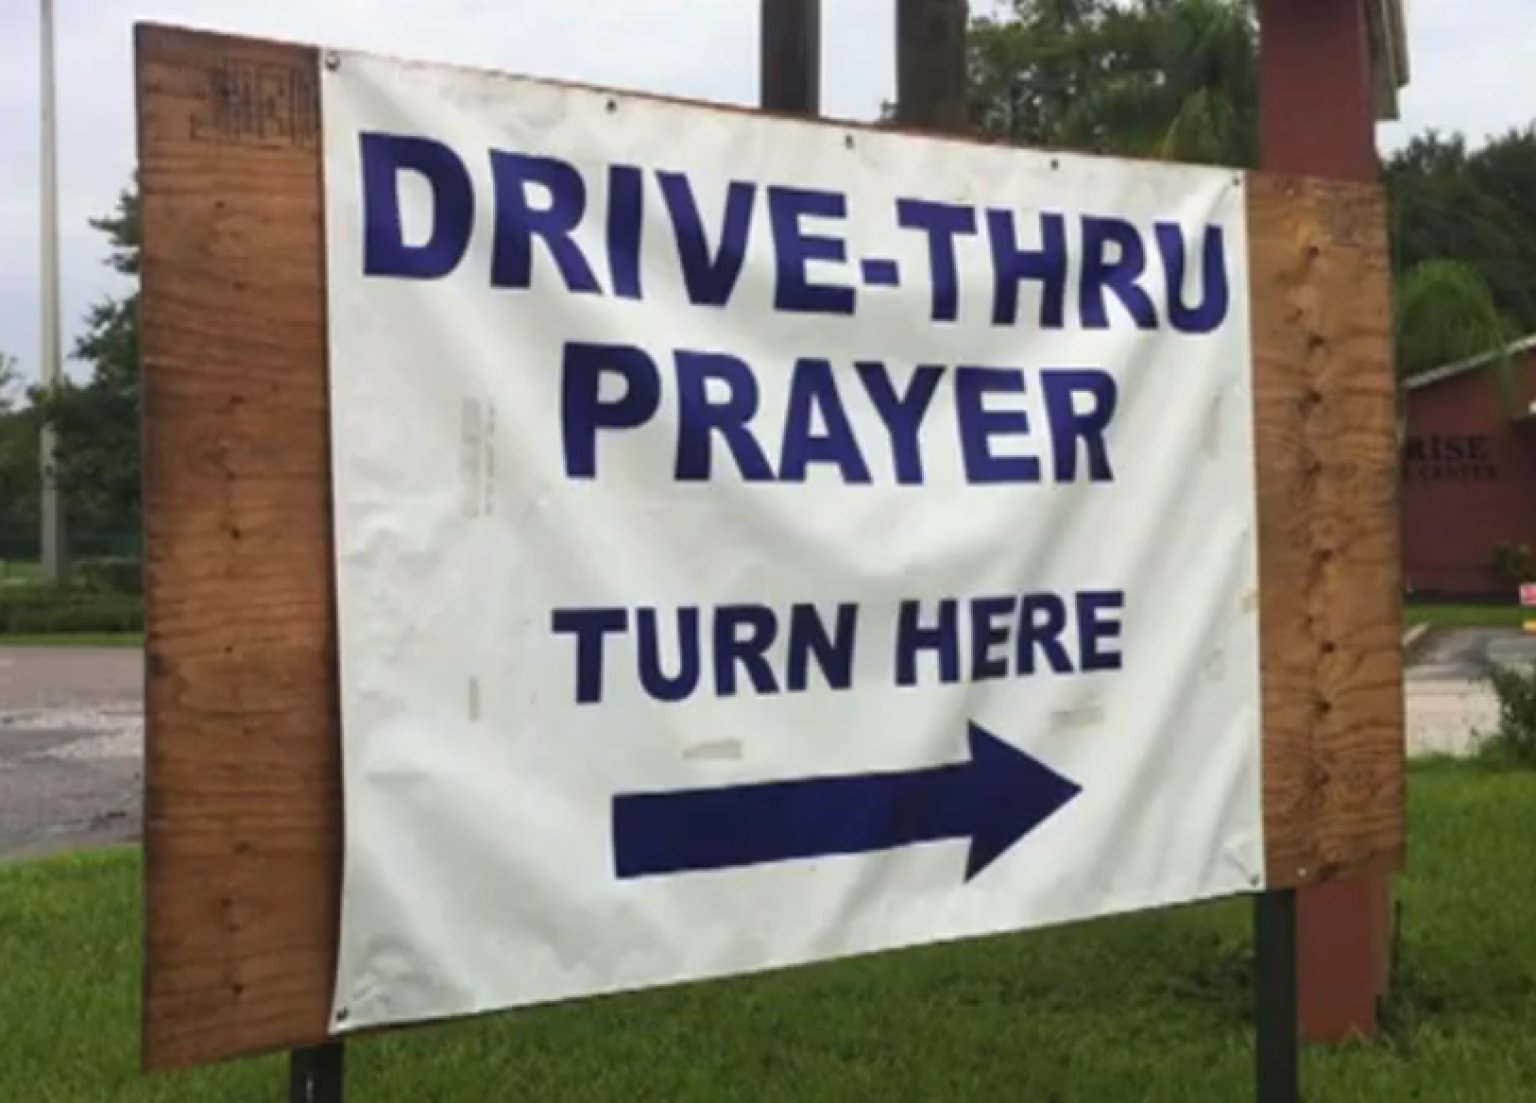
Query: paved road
pixel 1448 703
pixel 72 731
pixel 71 748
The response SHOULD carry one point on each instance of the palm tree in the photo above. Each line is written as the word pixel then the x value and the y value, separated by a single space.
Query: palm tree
pixel 1213 70
pixel 1194 95
pixel 1445 314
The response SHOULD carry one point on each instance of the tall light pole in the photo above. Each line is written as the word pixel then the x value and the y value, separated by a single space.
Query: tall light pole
pixel 50 345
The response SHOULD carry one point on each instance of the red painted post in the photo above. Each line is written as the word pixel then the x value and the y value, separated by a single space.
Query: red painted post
pixel 1318 118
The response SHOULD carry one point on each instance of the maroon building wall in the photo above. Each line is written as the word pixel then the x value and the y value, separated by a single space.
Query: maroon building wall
pixel 1469 482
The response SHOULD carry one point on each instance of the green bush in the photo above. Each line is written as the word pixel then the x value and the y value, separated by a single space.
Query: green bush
pixel 1515 739
pixel 44 610
pixel 1515 563
pixel 119 574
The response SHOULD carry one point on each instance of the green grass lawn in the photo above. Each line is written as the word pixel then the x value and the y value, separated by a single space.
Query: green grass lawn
pixel 19 573
pixel 74 639
pixel 1468 616
pixel 1147 1008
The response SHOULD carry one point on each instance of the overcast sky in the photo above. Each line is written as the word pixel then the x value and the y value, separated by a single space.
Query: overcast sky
pixel 1476 76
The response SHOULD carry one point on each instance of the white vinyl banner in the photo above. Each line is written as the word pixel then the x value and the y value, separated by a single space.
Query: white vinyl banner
pixel 761 541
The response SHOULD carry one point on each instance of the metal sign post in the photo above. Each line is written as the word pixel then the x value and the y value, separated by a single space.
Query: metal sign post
pixel 1278 1041
pixel 317 1074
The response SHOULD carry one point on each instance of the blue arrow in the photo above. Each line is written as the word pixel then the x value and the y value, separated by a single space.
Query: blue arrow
pixel 994 799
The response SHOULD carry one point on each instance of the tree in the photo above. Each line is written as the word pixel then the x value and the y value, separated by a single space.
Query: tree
pixel 10 381
pixel 1169 79
pixel 98 422
pixel 1445 314
pixel 1505 169
pixel 1027 68
pixel 1211 56
pixel 19 476
pixel 1450 203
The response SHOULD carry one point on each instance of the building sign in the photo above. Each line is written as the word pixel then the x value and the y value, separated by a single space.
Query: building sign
pixel 761 542
pixel 1450 458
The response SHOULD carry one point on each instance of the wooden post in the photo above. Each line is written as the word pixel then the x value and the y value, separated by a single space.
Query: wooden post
pixel 791 56
pixel 1318 118
pixel 931 65
pixel 243 755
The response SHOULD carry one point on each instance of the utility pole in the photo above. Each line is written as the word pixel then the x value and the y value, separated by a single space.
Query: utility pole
pixel 50 345
pixel 931 65
pixel 790 46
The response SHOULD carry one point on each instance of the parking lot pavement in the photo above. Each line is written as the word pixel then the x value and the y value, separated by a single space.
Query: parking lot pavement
pixel 1449 704
pixel 71 748
pixel 72 731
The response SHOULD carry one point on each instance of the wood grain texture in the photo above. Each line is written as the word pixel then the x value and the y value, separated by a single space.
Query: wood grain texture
pixel 1330 615
pixel 243 795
